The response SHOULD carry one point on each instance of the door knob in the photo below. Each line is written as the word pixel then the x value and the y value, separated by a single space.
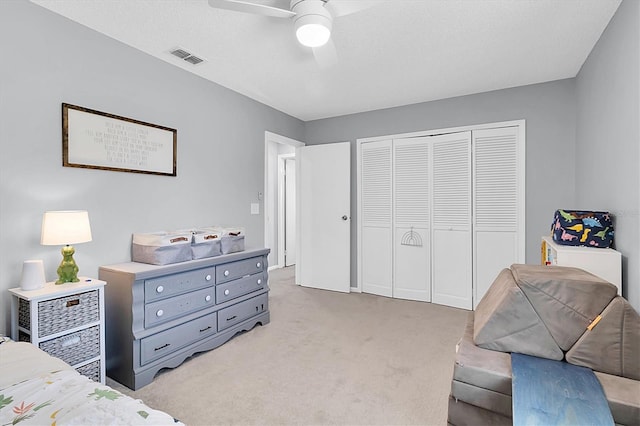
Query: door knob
pixel 344 217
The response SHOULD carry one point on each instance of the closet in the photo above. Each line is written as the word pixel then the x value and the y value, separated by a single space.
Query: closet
pixel 440 213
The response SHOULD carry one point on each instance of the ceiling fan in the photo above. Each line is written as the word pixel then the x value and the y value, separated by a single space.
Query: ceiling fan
pixel 313 19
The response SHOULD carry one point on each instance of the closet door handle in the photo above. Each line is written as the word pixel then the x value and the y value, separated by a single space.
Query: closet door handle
pixel 345 217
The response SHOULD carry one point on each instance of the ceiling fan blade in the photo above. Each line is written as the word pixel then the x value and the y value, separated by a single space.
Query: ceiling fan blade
pixel 248 7
pixel 346 7
pixel 326 56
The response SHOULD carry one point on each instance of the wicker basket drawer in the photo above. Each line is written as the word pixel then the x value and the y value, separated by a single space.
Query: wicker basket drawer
pixel 76 347
pixel 63 313
pixel 91 370
pixel 24 316
pixel 24 337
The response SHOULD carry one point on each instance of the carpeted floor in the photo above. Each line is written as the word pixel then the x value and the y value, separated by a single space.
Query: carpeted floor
pixel 325 358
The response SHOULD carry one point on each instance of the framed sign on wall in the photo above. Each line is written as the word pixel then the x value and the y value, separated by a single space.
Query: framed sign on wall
pixel 98 140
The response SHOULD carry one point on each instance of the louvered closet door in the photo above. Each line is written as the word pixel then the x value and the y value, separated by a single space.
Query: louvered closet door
pixel 376 217
pixel 451 220
pixel 412 242
pixel 498 204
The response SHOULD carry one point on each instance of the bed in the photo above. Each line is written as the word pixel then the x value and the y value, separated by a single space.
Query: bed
pixel 36 388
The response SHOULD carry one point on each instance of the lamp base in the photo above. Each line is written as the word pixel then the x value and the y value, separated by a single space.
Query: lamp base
pixel 68 270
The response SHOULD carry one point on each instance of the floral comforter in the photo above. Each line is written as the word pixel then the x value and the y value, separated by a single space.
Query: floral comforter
pixel 36 388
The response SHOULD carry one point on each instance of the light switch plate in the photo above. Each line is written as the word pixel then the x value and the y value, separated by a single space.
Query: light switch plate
pixel 255 208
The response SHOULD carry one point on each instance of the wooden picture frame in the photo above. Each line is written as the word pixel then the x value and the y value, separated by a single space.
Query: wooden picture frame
pixel 98 140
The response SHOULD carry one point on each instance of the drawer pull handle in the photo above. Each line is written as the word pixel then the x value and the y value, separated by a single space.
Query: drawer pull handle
pixel 259 281
pixel 162 347
pixel 160 313
pixel 73 302
pixel 208 277
pixel 232 318
pixel 207 298
pixel 226 273
pixel 159 289
pixel 70 341
pixel 205 329
pixel 258 265
pixel 226 292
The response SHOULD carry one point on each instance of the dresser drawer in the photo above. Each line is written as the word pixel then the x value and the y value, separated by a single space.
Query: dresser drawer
pixel 171 285
pixel 165 342
pixel 233 270
pixel 178 306
pixel 235 314
pixel 240 287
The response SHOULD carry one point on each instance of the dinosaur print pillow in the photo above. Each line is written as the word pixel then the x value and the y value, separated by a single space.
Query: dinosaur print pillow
pixel 582 228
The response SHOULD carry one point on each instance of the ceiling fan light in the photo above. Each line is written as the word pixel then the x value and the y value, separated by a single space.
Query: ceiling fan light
pixel 313 30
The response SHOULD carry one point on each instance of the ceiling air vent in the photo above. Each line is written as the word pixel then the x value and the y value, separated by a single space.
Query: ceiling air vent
pixel 193 59
pixel 185 55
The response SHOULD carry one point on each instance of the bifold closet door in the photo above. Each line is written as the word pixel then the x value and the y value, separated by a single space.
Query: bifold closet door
pixel 451 245
pixel 376 266
pixel 498 204
pixel 412 239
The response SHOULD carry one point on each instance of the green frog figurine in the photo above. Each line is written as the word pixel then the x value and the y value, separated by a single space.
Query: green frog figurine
pixel 68 270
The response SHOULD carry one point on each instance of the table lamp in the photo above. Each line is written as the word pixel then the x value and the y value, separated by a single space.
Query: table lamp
pixel 66 228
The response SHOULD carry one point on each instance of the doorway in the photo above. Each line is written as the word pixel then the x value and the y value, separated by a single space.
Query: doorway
pixel 321 213
pixel 287 209
pixel 278 151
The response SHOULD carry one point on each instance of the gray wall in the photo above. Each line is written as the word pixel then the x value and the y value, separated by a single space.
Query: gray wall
pixel 48 60
pixel 583 138
pixel 549 111
pixel 608 136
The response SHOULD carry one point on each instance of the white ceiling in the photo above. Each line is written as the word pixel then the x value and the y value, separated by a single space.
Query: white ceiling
pixel 397 52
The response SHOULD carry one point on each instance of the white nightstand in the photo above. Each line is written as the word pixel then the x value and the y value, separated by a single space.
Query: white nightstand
pixel 66 321
pixel 603 262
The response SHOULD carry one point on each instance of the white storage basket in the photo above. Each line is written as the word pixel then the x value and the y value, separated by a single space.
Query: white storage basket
pixel 206 243
pixel 161 248
pixel 232 240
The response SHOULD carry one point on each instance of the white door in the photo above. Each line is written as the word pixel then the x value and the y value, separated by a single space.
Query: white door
pixel 498 170
pixel 290 212
pixel 451 220
pixel 375 216
pixel 323 185
pixel 411 223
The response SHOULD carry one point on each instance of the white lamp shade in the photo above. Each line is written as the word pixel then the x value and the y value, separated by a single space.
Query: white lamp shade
pixel 65 227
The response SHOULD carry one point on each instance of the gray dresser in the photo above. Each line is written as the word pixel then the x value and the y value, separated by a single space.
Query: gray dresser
pixel 157 316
